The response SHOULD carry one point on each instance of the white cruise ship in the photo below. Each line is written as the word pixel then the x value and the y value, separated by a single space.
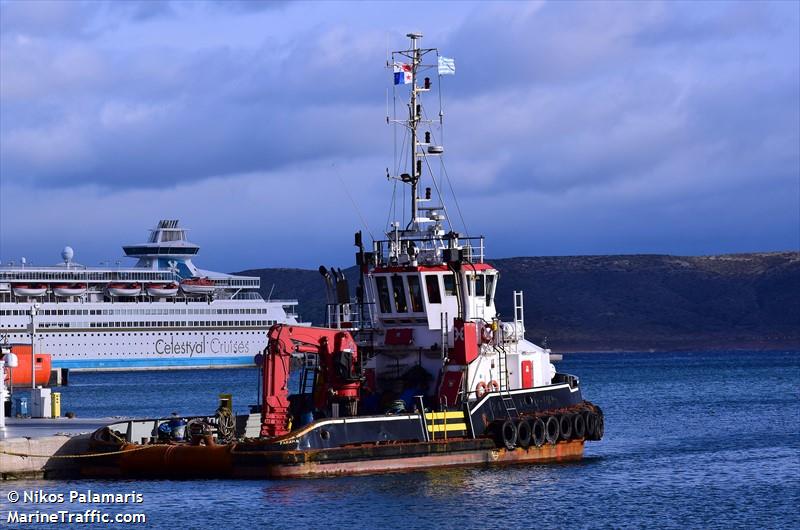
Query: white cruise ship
pixel 163 312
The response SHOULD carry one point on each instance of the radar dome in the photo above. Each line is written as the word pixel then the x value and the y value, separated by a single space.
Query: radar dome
pixel 67 254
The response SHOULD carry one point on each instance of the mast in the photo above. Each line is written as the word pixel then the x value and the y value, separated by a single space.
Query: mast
pixel 414 117
pixel 409 64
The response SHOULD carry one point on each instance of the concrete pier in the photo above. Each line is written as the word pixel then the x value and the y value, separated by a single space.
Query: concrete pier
pixel 47 445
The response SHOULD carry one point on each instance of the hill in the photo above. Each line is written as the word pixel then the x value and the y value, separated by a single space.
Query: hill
pixel 627 302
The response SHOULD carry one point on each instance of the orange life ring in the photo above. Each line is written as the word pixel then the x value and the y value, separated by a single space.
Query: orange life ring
pixel 494 386
pixel 480 390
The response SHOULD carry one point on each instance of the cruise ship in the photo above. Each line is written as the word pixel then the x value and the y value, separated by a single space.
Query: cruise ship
pixel 161 313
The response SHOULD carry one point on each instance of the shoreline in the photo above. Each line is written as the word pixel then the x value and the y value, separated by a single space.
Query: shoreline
pixel 676 348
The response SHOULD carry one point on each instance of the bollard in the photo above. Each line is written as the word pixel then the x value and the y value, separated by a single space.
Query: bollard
pixel 55 404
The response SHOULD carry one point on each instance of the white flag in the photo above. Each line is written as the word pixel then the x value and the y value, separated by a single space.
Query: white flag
pixel 447 66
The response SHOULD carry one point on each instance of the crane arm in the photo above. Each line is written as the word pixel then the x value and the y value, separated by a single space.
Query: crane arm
pixel 338 356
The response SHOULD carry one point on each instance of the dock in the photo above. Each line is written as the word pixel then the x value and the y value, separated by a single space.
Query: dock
pixel 45 448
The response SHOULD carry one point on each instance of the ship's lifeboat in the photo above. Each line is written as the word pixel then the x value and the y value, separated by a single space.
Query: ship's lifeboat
pixel 124 289
pixel 29 289
pixel 162 289
pixel 197 286
pixel 73 289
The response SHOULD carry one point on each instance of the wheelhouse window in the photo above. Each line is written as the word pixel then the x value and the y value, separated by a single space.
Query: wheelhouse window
pixel 449 285
pixel 480 286
pixel 490 279
pixel 432 286
pixel 399 292
pixel 383 294
pixel 416 294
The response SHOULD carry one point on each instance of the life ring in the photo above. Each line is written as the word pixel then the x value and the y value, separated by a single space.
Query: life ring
pixel 480 390
pixel 488 334
pixel 493 386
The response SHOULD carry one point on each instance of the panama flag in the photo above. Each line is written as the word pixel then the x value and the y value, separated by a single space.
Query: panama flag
pixel 402 73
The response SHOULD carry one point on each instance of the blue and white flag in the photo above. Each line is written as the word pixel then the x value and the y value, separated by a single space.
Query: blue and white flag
pixel 447 66
pixel 402 73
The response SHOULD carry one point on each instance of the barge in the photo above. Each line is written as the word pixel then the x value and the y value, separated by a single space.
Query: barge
pixel 415 371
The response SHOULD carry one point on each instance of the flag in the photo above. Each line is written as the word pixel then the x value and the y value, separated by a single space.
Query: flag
pixel 402 73
pixel 447 66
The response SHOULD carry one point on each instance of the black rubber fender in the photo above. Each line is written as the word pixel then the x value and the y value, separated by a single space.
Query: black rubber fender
pixel 600 428
pixel 590 419
pixel 565 426
pixel 538 431
pixel 508 435
pixel 578 426
pixel 524 433
pixel 552 430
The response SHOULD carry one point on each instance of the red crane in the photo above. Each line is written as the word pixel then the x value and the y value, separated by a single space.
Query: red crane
pixel 339 376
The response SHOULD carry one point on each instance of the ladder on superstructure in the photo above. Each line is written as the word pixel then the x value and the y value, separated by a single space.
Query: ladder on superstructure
pixel 519 316
pixel 502 357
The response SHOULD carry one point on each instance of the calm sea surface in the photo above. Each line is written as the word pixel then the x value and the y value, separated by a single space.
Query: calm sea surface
pixel 692 440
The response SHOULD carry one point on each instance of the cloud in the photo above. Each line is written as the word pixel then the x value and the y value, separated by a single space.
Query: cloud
pixel 612 121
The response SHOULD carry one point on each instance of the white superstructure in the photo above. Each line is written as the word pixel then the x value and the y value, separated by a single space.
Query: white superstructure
pixel 163 312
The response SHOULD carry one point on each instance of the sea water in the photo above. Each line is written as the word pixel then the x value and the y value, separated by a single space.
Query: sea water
pixel 700 440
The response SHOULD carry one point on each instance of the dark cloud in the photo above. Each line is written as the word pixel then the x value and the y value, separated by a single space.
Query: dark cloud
pixel 82 19
pixel 588 126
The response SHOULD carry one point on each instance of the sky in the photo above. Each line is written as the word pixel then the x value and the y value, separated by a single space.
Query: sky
pixel 570 128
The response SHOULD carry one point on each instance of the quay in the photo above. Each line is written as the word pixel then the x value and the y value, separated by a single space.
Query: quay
pixel 45 448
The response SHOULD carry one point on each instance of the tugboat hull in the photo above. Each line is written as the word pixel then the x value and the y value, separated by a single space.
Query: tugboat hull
pixel 351 446
pixel 396 458
pixel 241 461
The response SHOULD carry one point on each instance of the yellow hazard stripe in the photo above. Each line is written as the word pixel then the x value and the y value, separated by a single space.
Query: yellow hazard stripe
pixel 449 427
pixel 450 415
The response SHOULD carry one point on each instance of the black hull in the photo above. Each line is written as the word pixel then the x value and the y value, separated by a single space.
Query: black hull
pixel 494 407
pixel 476 420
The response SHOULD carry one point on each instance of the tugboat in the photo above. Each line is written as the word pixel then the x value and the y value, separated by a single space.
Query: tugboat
pixel 416 371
